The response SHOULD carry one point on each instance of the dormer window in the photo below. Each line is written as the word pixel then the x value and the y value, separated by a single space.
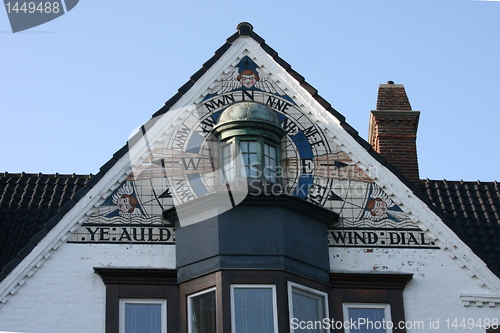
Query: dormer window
pixel 251 136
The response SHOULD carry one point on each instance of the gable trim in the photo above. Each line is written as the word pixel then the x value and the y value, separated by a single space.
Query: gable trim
pixel 480 300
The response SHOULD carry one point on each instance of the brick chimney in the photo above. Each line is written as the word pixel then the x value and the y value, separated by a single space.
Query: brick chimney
pixel 393 129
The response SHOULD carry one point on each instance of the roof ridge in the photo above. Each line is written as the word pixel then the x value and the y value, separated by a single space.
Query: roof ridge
pixel 461 181
pixel 48 175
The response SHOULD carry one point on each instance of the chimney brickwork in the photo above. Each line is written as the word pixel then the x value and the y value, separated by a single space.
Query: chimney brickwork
pixel 393 129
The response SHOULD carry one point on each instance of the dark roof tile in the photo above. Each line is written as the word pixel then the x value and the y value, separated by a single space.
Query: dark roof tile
pixel 327 105
pixel 472 210
pixel 119 154
pixel 349 129
pixel 222 49
pixel 273 54
pixel 184 89
pixel 363 143
pixel 161 111
pixel 34 200
pixel 92 181
pixel 257 38
pixel 296 75
pixel 310 89
pixel 233 38
pixel 336 114
pixel 210 63
pixel 108 165
pixel 381 159
pixel 196 76
pixel 173 100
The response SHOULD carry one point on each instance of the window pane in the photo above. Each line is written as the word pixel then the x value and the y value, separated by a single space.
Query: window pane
pixel 270 170
pixel 142 318
pixel 244 146
pixel 253 310
pixel 372 317
pixel 270 162
pixel 271 151
pixel 252 159
pixel 308 306
pixel 248 146
pixel 203 314
pixel 228 172
pixel 226 152
pixel 228 163
pixel 252 146
pixel 250 166
pixel 271 176
pixel 244 171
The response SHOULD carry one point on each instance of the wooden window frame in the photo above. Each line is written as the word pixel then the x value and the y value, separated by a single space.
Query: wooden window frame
pixel 365 288
pixel 140 284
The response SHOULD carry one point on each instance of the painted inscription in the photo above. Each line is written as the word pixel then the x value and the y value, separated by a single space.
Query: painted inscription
pixel 355 237
pixel 131 233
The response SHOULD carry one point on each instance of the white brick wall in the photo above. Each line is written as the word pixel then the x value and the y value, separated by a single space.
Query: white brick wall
pixel 65 295
pixel 435 290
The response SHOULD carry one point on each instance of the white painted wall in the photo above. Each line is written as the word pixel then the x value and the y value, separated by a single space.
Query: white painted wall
pixel 435 290
pixel 65 295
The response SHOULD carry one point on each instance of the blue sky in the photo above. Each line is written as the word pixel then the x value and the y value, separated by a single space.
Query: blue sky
pixel 74 88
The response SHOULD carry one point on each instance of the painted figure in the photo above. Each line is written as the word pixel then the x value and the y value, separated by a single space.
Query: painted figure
pixel 126 202
pixel 248 78
pixel 377 207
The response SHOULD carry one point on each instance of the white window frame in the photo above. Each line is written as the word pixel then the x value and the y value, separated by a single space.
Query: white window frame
pixel 125 301
pixel 385 306
pixel 292 286
pixel 190 310
pixel 255 286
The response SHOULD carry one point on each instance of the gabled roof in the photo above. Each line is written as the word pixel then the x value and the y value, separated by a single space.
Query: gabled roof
pixel 472 210
pixel 30 206
pixel 67 190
